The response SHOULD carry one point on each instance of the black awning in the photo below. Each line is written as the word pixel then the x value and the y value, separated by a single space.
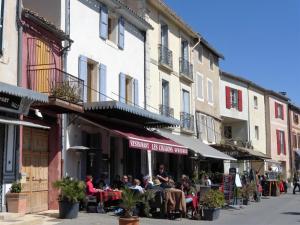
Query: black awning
pixel 240 153
pixel 119 110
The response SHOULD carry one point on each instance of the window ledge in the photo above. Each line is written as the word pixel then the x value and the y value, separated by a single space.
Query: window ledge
pixel 112 44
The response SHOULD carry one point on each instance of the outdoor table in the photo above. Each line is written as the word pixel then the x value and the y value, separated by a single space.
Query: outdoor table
pixel 108 195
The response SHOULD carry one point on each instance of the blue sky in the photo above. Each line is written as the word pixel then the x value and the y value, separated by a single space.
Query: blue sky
pixel 260 39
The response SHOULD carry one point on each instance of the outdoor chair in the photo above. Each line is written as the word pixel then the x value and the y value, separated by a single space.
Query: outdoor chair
pixel 91 204
pixel 157 205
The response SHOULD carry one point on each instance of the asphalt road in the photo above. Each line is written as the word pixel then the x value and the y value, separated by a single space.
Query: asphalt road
pixel 272 211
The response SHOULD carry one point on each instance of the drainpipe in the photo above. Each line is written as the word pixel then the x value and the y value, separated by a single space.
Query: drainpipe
pixel 20 42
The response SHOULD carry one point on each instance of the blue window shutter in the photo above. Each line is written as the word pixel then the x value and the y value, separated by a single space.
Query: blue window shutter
pixel 121 37
pixel 122 88
pixel 102 82
pixel 83 72
pixel 136 92
pixel 103 21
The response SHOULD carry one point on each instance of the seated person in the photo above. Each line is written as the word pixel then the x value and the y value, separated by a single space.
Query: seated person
pixel 90 190
pixel 146 183
pixel 162 176
pixel 117 183
pixel 125 183
pixel 137 186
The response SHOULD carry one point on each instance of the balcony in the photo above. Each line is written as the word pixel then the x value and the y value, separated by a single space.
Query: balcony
pixel 64 90
pixel 187 122
pixel 186 70
pixel 165 57
pixel 166 111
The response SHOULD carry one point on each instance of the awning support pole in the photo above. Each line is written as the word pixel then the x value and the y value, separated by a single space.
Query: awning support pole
pixel 149 157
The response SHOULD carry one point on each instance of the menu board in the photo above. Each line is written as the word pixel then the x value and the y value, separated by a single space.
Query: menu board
pixel 228 182
pixel 272 176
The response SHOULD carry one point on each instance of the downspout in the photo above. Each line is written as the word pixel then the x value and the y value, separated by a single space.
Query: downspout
pixel 292 166
pixel 249 129
pixel 20 42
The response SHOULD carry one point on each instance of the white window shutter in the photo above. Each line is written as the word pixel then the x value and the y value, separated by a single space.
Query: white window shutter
pixel 83 72
pixel 122 88
pixel 136 92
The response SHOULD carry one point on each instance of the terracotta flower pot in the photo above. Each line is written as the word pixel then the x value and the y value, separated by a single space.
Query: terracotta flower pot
pixel 16 202
pixel 129 221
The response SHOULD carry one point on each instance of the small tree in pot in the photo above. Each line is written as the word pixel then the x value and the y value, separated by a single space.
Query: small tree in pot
pixel 16 201
pixel 213 201
pixel 71 193
pixel 130 199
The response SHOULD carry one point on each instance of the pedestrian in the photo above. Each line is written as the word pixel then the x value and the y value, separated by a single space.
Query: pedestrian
pixel 296 182
pixel 207 181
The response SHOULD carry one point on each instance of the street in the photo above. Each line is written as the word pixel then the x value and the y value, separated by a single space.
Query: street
pixel 274 210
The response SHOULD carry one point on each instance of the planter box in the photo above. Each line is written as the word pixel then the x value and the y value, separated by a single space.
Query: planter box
pixel 245 202
pixel 68 210
pixel 129 221
pixel 211 214
pixel 16 202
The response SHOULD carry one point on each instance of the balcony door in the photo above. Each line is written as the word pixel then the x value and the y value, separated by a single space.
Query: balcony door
pixel 165 97
pixel 164 35
pixel 186 101
pixel 185 50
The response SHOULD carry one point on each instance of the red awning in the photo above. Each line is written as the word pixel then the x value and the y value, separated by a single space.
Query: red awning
pixel 147 140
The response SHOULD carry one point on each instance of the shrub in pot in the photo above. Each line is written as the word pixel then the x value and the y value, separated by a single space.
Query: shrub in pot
pixel 71 193
pixel 245 193
pixel 213 201
pixel 130 199
pixel 16 201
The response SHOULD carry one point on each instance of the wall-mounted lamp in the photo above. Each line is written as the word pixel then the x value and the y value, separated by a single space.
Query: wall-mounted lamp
pixel 38 113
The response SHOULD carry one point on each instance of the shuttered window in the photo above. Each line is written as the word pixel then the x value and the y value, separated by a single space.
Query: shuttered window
pixel 234 98
pixel 1 25
pixel 201 126
pixel 102 82
pixel 281 146
pixel 122 87
pixel 210 129
pixel 200 86
pixel 210 94
pixel 136 92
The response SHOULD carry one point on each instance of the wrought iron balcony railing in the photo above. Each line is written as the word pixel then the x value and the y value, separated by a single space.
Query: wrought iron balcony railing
pixel 166 111
pixel 187 121
pixel 56 83
pixel 186 68
pixel 165 56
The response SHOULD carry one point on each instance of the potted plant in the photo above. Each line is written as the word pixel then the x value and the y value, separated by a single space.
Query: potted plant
pixel 16 201
pixel 213 201
pixel 245 193
pixel 71 193
pixel 129 201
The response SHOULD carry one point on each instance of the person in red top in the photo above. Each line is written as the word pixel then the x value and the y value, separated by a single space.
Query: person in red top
pixel 90 190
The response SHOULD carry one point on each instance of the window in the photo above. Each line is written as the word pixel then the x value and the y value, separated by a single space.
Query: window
pixel 255 102
pixel 210 129
pixel 185 50
pixel 200 54
pixel 112 28
pixel 128 90
pixel 92 74
pixel 256 132
pixel 294 140
pixel 199 88
pixel 279 113
pixel 186 101
pixel 281 149
pixel 210 92
pixel 165 93
pixel 296 118
pixel 228 132
pixel 234 98
pixel 1 25
pixel 211 62
pixel 201 126
pixel 164 35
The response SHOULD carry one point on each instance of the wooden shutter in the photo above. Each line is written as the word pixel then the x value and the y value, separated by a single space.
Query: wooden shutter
pixel 240 100
pixel 282 107
pixel 1 25
pixel 83 72
pixel 121 36
pixel 122 88
pixel 276 110
pixel 228 97
pixel 103 22
pixel 278 142
pixel 102 82
pixel 284 145
pixel 136 92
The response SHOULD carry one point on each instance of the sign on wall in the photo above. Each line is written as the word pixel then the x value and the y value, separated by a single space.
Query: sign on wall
pixel 14 104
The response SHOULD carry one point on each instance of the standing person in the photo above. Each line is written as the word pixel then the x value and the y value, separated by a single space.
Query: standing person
pixel 162 176
pixel 207 181
pixel 296 181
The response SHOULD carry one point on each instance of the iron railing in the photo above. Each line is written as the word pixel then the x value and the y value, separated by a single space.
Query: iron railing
pixel 166 111
pixel 238 142
pixel 56 83
pixel 187 121
pixel 186 68
pixel 165 56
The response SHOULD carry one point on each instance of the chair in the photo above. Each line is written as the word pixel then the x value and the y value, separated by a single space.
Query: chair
pixel 157 204
pixel 91 204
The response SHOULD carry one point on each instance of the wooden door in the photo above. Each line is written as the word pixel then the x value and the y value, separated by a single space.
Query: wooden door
pixel 35 166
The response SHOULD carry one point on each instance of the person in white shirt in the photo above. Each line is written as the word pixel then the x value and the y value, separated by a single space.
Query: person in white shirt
pixel 207 181
pixel 137 186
